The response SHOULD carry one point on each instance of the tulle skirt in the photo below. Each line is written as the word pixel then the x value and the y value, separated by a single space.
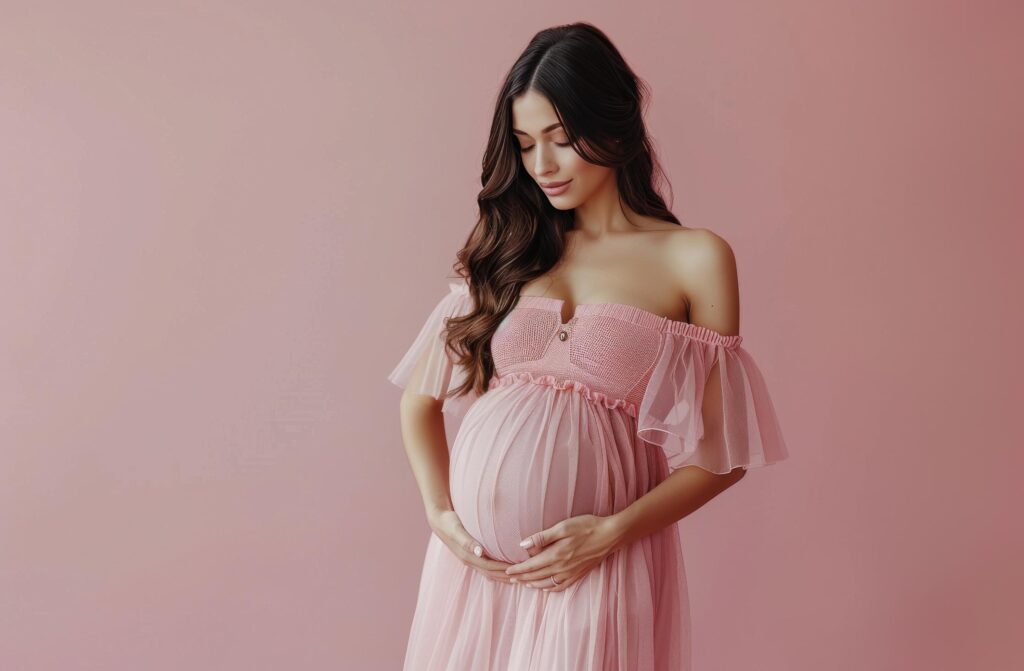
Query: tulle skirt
pixel 527 456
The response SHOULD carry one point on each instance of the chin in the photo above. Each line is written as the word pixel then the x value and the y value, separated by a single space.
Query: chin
pixel 563 203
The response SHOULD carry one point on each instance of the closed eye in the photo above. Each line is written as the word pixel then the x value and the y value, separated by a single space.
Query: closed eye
pixel 523 150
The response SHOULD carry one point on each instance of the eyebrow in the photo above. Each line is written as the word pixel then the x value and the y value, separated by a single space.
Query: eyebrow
pixel 549 128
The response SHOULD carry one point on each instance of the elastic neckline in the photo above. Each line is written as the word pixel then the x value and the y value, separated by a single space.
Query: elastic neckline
pixel 635 315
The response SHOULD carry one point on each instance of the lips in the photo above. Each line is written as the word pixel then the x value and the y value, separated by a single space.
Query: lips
pixel 555 188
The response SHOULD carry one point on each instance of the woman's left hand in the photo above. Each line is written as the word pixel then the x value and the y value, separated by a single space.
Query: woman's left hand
pixel 567 551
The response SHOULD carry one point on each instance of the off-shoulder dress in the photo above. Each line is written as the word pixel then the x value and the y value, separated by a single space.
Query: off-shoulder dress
pixel 579 417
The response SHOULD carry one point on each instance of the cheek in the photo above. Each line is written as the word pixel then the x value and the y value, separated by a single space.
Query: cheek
pixel 574 164
pixel 588 177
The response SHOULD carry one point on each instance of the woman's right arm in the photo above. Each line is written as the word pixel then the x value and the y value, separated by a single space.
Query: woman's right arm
pixel 426 374
pixel 426 446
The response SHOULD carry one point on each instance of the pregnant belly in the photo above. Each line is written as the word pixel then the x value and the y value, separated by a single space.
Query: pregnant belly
pixel 528 456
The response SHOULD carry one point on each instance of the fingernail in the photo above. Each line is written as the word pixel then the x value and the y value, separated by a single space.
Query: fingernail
pixel 514 580
pixel 526 543
pixel 478 551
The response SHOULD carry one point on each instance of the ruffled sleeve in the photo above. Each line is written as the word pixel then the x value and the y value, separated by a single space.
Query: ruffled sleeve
pixel 707 405
pixel 427 368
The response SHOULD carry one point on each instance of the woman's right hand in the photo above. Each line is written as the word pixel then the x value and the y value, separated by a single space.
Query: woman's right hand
pixel 448 527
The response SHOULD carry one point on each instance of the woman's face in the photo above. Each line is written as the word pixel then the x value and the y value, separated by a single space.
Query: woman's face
pixel 549 158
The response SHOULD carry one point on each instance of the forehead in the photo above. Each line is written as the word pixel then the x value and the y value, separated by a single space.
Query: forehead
pixel 532 112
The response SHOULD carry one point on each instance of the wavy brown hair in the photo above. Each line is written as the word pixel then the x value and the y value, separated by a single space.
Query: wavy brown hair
pixel 519 235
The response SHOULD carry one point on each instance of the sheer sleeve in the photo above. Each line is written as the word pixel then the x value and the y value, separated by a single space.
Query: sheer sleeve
pixel 707 405
pixel 426 367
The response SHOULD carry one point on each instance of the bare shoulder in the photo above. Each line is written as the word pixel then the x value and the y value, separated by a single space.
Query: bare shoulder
pixel 701 251
pixel 691 248
pixel 705 269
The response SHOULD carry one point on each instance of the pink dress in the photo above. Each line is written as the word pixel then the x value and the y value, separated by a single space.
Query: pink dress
pixel 581 417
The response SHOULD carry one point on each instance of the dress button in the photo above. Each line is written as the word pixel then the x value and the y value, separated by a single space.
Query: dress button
pixel 562 335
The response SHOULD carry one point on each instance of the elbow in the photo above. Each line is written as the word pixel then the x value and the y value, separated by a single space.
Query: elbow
pixel 735 475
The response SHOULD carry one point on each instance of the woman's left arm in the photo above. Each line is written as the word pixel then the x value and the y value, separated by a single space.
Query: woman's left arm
pixel 707 266
pixel 681 493
pixel 574 546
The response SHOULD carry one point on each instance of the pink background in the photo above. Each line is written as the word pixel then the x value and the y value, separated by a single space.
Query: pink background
pixel 223 223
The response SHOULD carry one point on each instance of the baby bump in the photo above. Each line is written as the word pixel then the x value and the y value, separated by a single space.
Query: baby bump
pixel 528 456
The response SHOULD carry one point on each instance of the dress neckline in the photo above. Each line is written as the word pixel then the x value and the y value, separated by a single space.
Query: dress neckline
pixel 633 314
pixel 630 313
pixel 585 307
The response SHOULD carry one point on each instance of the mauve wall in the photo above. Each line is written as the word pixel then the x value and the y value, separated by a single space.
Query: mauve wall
pixel 223 223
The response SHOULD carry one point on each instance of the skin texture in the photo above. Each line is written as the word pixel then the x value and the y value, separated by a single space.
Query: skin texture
pixel 613 255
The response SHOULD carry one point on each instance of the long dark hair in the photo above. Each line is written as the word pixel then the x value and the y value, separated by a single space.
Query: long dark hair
pixel 520 235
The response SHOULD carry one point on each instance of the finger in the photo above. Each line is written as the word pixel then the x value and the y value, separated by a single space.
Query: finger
pixel 470 545
pixel 484 562
pixel 541 580
pixel 545 536
pixel 489 564
pixel 538 561
pixel 496 575
pixel 477 556
pixel 562 584
pixel 466 542
pixel 545 582
pixel 542 573
pixel 534 541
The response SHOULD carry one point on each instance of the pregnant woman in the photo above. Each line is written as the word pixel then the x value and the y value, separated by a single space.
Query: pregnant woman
pixel 590 361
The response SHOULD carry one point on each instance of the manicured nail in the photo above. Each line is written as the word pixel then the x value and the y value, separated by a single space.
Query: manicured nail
pixel 526 543
pixel 478 551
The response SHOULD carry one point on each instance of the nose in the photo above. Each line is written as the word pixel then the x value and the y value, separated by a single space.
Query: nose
pixel 542 162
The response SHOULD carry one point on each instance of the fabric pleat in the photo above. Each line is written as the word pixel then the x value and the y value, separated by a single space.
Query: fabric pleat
pixel 551 455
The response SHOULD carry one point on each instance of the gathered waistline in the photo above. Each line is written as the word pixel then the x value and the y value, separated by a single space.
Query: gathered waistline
pixel 564 384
